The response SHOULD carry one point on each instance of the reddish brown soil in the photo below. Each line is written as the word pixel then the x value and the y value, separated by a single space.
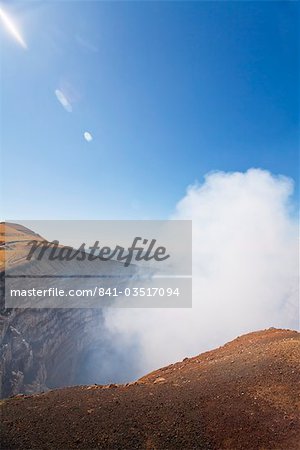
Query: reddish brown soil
pixel 244 395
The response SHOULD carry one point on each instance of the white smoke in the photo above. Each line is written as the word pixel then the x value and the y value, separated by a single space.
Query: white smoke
pixel 245 270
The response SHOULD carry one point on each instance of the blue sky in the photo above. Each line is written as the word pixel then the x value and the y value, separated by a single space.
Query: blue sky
pixel 168 90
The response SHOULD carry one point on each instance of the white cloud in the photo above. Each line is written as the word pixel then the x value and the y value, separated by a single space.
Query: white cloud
pixel 245 270
pixel 87 136
pixel 63 100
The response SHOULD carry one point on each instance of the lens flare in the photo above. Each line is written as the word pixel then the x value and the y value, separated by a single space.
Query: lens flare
pixel 11 28
pixel 87 136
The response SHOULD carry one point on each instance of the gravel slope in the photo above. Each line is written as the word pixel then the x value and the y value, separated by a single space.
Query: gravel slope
pixel 244 395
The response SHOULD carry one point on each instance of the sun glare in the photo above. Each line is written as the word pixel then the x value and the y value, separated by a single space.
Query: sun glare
pixel 11 27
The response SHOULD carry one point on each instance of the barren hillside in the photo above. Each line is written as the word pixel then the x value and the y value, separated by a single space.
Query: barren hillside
pixel 244 395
